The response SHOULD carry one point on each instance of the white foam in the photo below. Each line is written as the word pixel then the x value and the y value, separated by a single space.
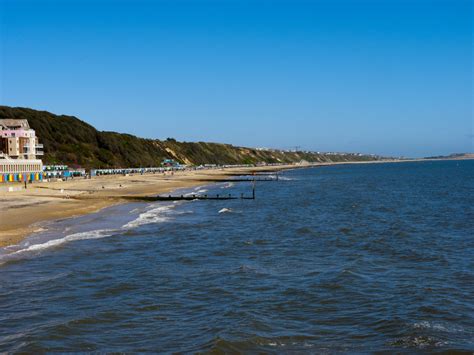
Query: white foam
pixel 225 210
pixel 155 215
pixel 438 326
pixel 95 234
pixel 228 185
pixel 8 247
pixel 183 212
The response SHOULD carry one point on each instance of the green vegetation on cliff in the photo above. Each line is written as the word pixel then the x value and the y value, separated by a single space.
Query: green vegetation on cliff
pixel 68 140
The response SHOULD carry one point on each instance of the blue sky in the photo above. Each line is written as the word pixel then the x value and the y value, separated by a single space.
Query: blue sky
pixel 392 77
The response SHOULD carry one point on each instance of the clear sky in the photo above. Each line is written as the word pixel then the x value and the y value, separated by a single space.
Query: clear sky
pixel 392 77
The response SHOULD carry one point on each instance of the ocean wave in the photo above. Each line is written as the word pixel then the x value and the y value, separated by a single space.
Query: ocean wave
pixel 438 326
pixel 284 178
pixel 95 234
pixel 154 215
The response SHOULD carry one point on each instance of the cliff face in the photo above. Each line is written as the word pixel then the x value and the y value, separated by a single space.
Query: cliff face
pixel 68 140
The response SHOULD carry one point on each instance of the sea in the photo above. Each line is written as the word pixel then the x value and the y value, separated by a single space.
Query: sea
pixel 351 258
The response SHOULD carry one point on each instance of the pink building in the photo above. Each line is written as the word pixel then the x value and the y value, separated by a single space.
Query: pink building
pixel 19 151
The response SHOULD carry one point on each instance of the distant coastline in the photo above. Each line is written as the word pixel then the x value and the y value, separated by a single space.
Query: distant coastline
pixel 456 156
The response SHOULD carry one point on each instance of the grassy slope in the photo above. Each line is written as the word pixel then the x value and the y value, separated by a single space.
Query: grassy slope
pixel 68 140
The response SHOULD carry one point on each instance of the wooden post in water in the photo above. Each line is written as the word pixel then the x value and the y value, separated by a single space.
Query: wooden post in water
pixel 253 188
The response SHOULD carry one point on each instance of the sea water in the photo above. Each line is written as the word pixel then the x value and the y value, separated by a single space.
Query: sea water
pixel 353 258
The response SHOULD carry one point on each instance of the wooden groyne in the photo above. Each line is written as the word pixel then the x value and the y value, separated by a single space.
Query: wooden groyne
pixel 204 197
pixel 238 180
pixel 192 197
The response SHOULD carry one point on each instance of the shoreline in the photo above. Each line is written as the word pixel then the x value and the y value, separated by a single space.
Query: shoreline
pixel 25 211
